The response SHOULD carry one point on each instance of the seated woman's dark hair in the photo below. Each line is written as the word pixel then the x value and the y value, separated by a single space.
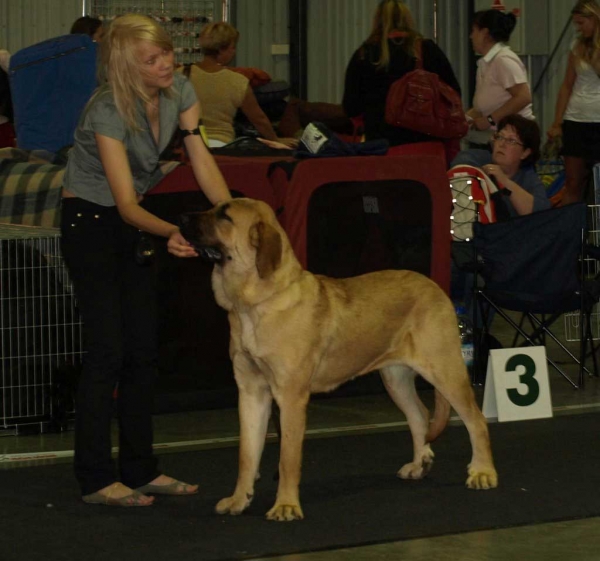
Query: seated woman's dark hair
pixel 528 132
pixel 86 25
pixel 499 24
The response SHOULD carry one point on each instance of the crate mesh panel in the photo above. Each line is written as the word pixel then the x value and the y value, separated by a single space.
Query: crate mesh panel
pixel 41 330
pixel 591 268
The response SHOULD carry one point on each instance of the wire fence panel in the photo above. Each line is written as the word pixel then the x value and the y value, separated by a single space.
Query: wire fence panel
pixel 40 329
pixel 591 269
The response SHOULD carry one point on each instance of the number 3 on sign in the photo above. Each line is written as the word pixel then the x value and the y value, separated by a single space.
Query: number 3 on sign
pixel 516 385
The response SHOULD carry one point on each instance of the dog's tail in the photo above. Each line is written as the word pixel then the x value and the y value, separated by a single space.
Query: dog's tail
pixel 441 415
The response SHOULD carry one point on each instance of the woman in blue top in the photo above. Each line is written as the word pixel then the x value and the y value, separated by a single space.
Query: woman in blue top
pixel 113 163
pixel 511 163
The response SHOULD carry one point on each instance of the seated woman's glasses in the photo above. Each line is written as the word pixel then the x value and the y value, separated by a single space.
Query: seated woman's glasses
pixel 510 141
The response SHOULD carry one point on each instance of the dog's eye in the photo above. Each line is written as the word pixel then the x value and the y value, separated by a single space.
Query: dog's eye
pixel 222 213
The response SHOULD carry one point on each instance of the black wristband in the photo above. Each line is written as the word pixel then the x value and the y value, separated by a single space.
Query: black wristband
pixel 188 132
pixel 491 120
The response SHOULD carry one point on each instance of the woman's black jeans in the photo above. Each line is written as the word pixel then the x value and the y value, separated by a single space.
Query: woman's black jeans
pixel 117 300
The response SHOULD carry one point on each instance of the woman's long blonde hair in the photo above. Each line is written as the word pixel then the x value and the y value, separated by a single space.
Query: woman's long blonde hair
pixel 392 16
pixel 588 49
pixel 123 69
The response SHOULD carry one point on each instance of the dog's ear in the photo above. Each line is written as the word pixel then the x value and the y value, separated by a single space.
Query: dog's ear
pixel 267 242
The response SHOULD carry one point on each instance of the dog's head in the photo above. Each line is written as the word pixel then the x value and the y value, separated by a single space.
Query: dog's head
pixel 237 234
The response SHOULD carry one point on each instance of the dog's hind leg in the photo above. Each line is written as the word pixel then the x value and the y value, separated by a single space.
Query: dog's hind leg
pixel 455 386
pixel 481 471
pixel 254 410
pixel 399 381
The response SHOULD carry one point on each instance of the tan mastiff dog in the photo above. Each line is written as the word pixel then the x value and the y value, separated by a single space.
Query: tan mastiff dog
pixel 294 333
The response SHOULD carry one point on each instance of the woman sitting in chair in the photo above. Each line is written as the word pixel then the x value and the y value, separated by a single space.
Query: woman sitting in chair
pixel 511 164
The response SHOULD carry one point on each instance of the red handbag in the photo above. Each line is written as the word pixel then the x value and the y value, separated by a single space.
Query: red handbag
pixel 421 101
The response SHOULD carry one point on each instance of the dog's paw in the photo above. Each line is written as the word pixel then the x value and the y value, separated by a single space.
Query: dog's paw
pixel 233 505
pixel 418 470
pixel 482 479
pixel 285 513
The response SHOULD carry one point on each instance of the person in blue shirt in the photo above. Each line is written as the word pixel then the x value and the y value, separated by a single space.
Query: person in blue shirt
pixel 511 163
pixel 87 25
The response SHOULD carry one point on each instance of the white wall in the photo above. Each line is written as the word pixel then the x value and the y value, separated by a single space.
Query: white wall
pixel 263 23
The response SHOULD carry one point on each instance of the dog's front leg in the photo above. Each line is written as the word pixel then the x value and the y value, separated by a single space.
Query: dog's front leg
pixel 254 411
pixel 293 425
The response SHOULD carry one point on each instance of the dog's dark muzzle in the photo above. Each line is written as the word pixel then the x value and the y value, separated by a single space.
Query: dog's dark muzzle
pixel 194 228
pixel 210 254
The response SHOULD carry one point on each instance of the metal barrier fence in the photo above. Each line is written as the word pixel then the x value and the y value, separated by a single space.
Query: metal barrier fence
pixel 40 330
pixel 591 268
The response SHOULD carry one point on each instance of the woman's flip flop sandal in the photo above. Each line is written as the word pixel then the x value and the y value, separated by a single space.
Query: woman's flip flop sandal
pixel 175 488
pixel 133 499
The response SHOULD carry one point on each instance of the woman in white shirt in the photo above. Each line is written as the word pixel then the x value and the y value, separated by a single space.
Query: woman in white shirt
pixel 577 116
pixel 501 87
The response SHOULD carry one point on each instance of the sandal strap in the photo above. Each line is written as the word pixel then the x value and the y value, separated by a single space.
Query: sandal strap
pixel 111 491
pixel 176 487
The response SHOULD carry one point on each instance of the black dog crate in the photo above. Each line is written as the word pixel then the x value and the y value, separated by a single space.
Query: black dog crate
pixel 360 227
pixel 364 226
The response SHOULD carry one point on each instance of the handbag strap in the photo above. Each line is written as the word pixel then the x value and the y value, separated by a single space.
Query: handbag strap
pixel 418 55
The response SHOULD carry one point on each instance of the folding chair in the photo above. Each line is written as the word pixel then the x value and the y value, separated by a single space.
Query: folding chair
pixel 532 264
pixel 474 197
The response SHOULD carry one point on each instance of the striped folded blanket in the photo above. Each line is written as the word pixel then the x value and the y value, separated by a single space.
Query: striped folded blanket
pixel 30 189
pixel 31 183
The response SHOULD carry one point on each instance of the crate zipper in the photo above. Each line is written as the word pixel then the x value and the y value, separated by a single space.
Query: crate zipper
pixel 12 70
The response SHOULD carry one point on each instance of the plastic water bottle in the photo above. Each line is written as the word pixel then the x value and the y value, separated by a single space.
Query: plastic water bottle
pixel 465 328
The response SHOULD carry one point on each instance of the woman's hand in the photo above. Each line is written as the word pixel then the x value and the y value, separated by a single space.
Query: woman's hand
pixel 480 124
pixel 495 171
pixel 179 246
pixel 289 142
pixel 277 144
pixel 554 131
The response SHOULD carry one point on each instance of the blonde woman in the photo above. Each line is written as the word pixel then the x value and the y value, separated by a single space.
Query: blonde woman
pixel 388 54
pixel 577 116
pixel 113 163
pixel 222 92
